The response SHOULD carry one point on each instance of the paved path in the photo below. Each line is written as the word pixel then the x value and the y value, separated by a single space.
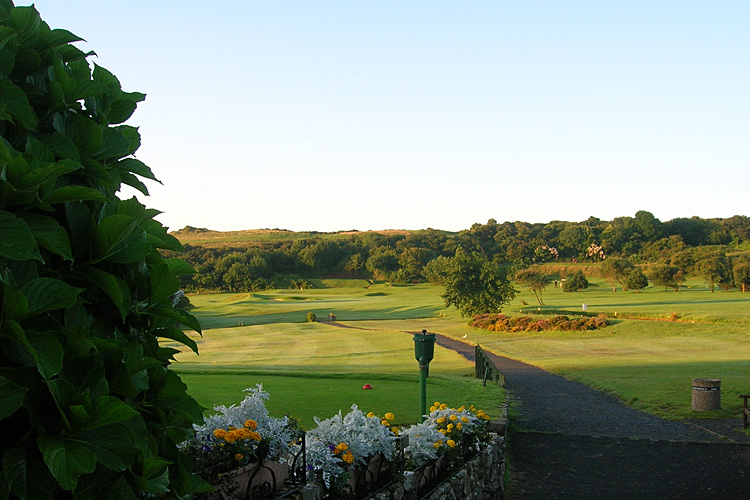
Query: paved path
pixel 574 442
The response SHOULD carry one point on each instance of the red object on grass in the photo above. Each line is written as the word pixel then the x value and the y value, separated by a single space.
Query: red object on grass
pixel 367 386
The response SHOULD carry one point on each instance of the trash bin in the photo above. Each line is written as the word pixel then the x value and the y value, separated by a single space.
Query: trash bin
pixel 706 394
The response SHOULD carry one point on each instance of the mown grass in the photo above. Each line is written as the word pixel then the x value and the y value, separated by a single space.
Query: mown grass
pixel 649 362
pixel 291 306
pixel 306 396
pixel 313 369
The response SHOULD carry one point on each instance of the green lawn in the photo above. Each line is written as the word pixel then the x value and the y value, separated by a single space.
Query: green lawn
pixel 314 369
pixel 291 306
pixel 648 363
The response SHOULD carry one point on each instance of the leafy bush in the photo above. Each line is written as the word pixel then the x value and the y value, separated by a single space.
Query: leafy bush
pixel 503 323
pixel 88 405
pixel 575 283
pixel 311 317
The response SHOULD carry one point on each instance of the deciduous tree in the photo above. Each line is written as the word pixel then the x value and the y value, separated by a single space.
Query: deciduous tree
pixel 536 282
pixel 476 286
pixel 617 270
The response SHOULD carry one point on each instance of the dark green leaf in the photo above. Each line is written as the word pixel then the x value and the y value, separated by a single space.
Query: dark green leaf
pixel 132 135
pixel 179 267
pixel 122 240
pixel 7 35
pixel 109 410
pixel 25 20
pixel 163 283
pixel 180 316
pixel 133 181
pixel 15 344
pixel 115 288
pixel 17 104
pixel 45 172
pixel 16 239
pixel 179 336
pixel 49 234
pixel 74 193
pixel 61 145
pixel 103 76
pixel 66 458
pixel 111 445
pixel 137 167
pixel 61 37
pixel 88 136
pixel 14 303
pixel 49 354
pixel 115 145
pixel 48 294
pixel 15 471
pixel 121 110
pixel 11 397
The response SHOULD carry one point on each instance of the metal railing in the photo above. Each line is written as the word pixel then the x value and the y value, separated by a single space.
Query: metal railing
pixel 485 369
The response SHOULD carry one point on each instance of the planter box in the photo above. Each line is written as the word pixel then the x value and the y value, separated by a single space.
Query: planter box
pixel 258 480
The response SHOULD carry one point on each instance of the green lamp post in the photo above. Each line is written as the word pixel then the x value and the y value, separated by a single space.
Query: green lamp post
pixel 424 350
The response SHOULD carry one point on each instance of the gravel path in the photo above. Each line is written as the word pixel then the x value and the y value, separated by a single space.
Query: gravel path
pixel 574 442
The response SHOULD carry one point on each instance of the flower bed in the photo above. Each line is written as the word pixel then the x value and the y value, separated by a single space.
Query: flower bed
pixel 244 452
pixel 503 323
pixel 242 448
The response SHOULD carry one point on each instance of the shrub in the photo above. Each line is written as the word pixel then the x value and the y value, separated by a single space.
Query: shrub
pixel 502 323
pixel 575 283
pixel 88 405
pixel 311 317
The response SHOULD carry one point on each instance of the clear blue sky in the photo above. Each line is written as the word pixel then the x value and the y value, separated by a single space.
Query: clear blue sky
pixel 334 115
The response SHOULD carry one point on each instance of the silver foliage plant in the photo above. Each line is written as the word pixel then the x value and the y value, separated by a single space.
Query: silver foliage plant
pixel 252 407
pixel 365 436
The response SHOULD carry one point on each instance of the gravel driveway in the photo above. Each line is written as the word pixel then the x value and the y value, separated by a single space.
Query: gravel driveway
pixel 573 442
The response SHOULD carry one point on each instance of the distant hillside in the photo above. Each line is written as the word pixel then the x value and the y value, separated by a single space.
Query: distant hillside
pixel 208 238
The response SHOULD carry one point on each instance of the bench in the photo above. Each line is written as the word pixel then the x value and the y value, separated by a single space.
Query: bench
pixel 745 409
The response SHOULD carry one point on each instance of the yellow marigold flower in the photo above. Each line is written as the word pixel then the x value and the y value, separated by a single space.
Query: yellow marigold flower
pixel 442 431
pixel 348 457
pixel 370 415
pixel 394 430
pixel 441 420
pixel 433 408
pixel 465 420
pixel 486 417
pixel 437 445
pixel 451 443
pixel 390 416
pixel 251 424
pixel 220 433
pixel 450 427
pixel 454 417
pixel 437 403
pixel 459 425
pixel 238 457
pixel 385 422
pixel 443 406
pixel 232 428
pixel 462 408
pixel 342 447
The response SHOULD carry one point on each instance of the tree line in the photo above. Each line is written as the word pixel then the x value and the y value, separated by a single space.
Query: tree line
pixel 673 250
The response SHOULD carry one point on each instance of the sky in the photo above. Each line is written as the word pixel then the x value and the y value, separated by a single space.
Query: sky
pixel 368 115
